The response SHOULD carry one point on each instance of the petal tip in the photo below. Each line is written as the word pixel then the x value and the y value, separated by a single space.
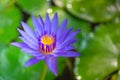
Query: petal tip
pixel 56 14
pixel 56 74
pixel 12 43
pixel 26 65
pixel 22 22
pixel 47 16
pixel 33 17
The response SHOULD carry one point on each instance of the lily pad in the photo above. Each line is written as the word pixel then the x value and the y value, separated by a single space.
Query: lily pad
pixel 9 21
pixel 12 65
pixel 93 11
pixel 100 57
pixel 33 6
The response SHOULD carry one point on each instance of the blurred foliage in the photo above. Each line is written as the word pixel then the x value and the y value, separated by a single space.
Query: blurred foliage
pixel 94 11
pixel 9 20
pixel 101 54
pixel 98 41
pixel 33 7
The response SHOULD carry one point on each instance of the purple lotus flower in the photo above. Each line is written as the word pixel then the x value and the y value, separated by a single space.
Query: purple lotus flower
pixel 47 42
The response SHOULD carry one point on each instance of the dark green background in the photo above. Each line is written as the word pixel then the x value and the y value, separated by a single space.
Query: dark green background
pixel 98 41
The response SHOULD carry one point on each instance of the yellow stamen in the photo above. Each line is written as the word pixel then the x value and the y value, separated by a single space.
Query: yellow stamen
pixel 47 40
pixel 47 46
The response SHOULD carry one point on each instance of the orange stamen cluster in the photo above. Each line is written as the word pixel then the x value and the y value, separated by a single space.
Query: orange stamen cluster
pixel 47 44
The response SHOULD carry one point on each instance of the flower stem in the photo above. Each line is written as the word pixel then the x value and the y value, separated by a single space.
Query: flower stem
pixel 43 72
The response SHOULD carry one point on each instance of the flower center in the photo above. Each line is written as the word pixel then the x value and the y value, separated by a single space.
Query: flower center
pixel 47 44
pixel 47 40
